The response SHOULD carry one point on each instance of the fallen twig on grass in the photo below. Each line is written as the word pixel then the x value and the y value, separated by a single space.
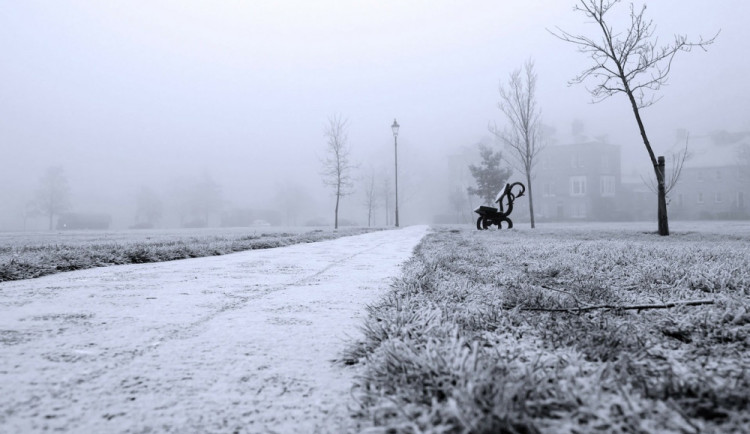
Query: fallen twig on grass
pixel 570 294
pixel 622 307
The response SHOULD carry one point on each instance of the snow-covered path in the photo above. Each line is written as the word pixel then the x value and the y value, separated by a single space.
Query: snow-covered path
pixel 235 343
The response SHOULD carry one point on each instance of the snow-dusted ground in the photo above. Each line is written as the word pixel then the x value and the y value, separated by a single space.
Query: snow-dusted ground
pixel 235 343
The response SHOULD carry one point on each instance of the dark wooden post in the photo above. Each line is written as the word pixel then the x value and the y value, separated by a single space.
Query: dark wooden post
pixel 662 214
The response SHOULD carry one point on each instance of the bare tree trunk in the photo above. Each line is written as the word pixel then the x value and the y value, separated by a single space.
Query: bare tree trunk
pixel 531 197
pixel 370 198
pixel 662 213
pixel 336 213
pixel 663 219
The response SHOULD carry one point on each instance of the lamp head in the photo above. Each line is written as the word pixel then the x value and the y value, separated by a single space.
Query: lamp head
pixel 395 127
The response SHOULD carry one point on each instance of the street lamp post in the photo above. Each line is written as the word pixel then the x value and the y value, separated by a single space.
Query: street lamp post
pixel 395 127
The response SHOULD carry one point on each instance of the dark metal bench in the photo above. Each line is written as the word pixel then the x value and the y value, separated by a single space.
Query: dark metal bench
pixel 489 216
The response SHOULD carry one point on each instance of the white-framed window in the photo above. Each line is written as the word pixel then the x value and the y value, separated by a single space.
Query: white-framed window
pixel 577 185
pixel 718 197
pixel 547 189
pixel 700 197
pixel 607 185
pixel 718 175
pixel 700 177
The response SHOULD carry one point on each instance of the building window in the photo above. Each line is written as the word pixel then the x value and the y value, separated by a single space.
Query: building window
pixel 718 198
pixel 700 176
pixel 607 185
pixel 605 163
pixel 718 175
pixel 700 197
pixel 576 161
pixel 577 185
pixel 547 189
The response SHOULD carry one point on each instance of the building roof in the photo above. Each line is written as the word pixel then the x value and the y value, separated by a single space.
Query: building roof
pixel 716 149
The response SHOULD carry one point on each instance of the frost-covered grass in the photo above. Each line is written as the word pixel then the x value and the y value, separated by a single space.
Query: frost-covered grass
pixel 29 255
pixel 456 348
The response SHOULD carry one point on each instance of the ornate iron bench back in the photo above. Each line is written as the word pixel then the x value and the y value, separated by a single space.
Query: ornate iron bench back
pixel 506 194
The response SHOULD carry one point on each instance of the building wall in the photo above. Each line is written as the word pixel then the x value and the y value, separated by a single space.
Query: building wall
pixel 578 182
pixel 584 182
pixel 719 192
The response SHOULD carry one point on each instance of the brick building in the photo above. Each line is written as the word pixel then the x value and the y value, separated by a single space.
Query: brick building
pixel 714 184
pixel 579 181
pixel 584 181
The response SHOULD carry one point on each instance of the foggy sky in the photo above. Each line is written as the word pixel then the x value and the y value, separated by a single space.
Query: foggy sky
pixel 130 93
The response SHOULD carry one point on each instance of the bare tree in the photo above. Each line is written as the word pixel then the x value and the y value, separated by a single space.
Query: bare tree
pixel 678 161
pixel 522 136
pixel 629 62
pixel 337 167
pixel 53 194
pixel 371 201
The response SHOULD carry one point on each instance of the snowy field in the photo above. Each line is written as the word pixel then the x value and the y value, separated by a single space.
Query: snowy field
pixel 568 328
pixel 270 341
pixel 128 236
pixel 677 227
pixel 34 254
pixel 237 343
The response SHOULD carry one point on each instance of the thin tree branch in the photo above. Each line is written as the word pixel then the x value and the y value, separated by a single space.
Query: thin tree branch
pixel 639 307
